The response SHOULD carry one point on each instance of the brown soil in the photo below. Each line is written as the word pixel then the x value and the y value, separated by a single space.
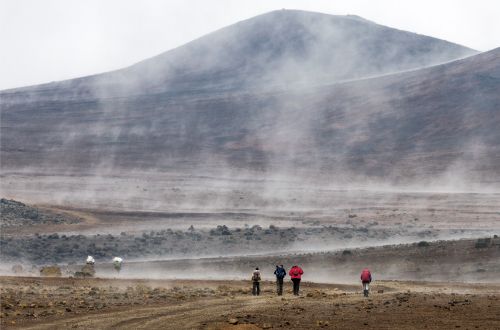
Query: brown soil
pixel 62 303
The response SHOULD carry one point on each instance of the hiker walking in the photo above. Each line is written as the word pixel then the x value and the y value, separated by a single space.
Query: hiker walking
pixel 88 270
pixel 296 274
pixel 117 263
pixel 256 282
pixel 366 278
pixel 280 273
pixel 90 260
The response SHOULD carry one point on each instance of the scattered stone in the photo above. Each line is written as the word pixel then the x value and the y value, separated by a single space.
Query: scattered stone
pixel 87 271
pixel 51 271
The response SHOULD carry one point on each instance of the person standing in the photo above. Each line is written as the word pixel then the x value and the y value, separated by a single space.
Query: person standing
pixel 280 273
pixel 366 278
pixel 117 263
pixel 256 282
pixel 90 260
pixel 296 274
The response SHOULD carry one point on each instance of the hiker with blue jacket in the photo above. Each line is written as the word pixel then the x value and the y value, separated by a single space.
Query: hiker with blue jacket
pixel 280 273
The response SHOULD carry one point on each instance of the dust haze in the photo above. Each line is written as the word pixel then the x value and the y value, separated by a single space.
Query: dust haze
pixel 292 137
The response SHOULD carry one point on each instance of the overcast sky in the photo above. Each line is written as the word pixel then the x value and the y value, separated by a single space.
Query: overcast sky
pixel 50 40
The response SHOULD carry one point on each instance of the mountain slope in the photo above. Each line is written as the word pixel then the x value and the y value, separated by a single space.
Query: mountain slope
pixel 422 126
pixel 266 52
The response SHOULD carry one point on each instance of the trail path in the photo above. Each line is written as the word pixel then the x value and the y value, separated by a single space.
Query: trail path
pixel 392 305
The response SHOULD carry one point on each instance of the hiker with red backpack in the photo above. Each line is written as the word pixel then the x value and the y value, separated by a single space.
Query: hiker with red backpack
pixel 296 274
pixel 366 278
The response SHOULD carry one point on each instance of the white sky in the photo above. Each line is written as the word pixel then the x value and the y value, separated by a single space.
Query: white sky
pixel 42 41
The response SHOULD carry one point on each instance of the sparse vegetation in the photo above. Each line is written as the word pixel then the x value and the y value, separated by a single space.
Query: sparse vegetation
pixel 423 244
pixel 483 243
pixel 47 248
pixel 17 214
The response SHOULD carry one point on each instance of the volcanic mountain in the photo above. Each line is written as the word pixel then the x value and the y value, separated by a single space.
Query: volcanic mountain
pixel 288 91
pixel 265 52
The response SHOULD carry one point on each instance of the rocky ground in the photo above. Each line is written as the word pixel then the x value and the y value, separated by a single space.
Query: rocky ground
pixel 467 260
pixel 14 214
pixel 221 240
pixel 47 234
pixel 50 303
pixel 451 242
pixel 457 261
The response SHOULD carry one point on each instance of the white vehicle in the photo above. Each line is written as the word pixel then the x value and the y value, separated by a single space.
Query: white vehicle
pixel 90 260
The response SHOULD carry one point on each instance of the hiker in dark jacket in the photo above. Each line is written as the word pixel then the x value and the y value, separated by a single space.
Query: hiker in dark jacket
pixel 256 282
pixel 296 274
pixel 280 273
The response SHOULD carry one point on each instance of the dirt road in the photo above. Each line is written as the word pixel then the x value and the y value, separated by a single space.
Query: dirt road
pixel 64 303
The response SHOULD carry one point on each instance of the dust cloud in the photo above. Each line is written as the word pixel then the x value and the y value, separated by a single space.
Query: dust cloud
pixel 290 119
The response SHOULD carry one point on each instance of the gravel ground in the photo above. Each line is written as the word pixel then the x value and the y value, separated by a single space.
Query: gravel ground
pixel 62 303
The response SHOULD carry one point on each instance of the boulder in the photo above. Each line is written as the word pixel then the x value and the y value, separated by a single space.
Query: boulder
pixel 51 271
pixel 86 271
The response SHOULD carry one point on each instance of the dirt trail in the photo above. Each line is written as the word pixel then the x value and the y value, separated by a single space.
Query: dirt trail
pixel 184 316
pixel 392 305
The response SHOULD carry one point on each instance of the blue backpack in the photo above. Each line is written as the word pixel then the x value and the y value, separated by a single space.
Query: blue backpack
pixel 280 272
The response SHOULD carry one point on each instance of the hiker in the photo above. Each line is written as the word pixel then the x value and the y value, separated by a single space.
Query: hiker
pixel 366 278
pixel 256 282
pixel 90 260
pixel 280 273
pixel 296 274
pixel 88 269
pixel 117 263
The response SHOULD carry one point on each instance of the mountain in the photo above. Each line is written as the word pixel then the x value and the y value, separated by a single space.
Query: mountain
pixel 422 125
pixel 269 51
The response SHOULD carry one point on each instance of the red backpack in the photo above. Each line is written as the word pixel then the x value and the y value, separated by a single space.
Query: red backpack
pixel 366 276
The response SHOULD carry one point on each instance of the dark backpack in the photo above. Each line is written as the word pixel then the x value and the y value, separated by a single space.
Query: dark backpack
pixel 280 272
pixel 256 277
